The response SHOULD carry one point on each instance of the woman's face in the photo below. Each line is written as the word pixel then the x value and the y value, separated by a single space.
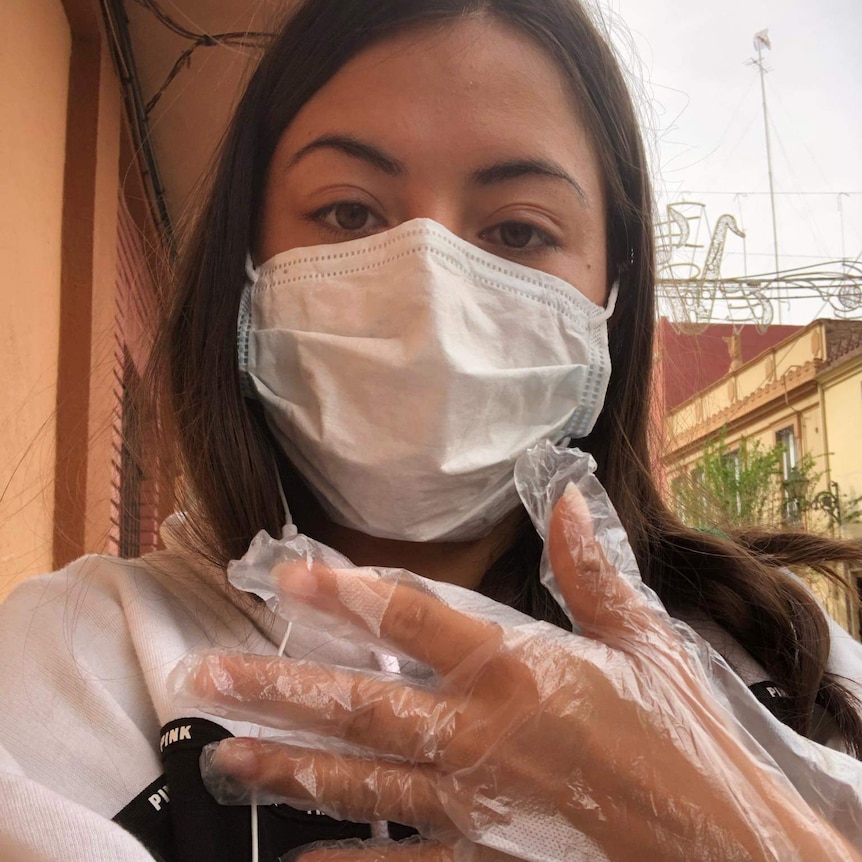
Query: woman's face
pixel 471 125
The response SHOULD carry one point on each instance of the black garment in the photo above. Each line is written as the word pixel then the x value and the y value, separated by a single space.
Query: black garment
pixel 178 821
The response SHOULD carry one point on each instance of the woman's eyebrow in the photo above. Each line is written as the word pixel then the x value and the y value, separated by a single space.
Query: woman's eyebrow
pixel 496 173
pixel 355 148
pixel 515 168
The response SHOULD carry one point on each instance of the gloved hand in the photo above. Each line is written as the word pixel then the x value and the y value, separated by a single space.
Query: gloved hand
pixel 528 741
pixel 375 850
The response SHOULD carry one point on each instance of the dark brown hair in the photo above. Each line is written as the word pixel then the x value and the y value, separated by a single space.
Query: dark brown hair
pixel 228 460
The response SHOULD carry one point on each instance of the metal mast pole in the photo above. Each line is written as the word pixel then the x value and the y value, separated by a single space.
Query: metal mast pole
pixel 761 39
pixel 841 217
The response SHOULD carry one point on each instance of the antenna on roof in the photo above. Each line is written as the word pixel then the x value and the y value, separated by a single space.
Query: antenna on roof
pixel 761 41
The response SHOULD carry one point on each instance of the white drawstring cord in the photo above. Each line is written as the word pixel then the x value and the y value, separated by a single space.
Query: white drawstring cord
pixel 255 832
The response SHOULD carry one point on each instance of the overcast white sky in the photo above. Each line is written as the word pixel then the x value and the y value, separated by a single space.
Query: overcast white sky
pixel 706 106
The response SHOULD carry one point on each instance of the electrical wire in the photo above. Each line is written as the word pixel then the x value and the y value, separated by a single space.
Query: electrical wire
pixel 687 191
pixel 238 39
pixel 117 27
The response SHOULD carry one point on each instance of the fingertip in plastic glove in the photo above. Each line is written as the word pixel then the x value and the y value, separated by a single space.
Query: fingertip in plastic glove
pixel 511 736
pixel 376 850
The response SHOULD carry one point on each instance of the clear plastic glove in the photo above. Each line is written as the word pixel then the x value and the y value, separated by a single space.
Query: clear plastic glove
pixel 522 739
pixel 377 850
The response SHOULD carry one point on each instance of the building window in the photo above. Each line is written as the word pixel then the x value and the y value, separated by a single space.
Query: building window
pixel 678 494
pixel 856 579
pixel 790 456
pixel 696 513
pixel 786 439
pixel 730 482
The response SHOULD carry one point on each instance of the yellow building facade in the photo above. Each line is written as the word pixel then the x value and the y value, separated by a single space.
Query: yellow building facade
pixel 804 393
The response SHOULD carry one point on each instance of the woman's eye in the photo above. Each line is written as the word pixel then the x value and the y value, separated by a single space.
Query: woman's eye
pixel 519 236
pixel 348 217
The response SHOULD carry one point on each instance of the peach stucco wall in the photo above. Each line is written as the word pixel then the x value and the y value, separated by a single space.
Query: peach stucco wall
pixel 35 46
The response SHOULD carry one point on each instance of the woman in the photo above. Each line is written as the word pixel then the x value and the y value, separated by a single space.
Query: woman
pixel 493 132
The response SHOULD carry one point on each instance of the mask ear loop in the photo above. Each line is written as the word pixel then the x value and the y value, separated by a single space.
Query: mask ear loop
pixel 288 518
pixel 251 271
pixel 611 304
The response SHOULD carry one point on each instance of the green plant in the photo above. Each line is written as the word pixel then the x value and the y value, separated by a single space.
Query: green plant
pixel 745 486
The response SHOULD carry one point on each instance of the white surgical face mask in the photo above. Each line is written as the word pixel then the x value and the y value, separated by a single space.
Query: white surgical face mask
pixel 404 373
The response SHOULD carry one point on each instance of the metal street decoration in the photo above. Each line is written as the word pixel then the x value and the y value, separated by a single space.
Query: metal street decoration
pixel 697 294
pixel 839 508
pixel 830 503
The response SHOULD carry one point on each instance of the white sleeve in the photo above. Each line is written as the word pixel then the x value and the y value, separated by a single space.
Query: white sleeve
pixel 845 658
pixel 39 825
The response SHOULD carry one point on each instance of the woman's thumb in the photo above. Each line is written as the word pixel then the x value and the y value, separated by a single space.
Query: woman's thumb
pixel 599 598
